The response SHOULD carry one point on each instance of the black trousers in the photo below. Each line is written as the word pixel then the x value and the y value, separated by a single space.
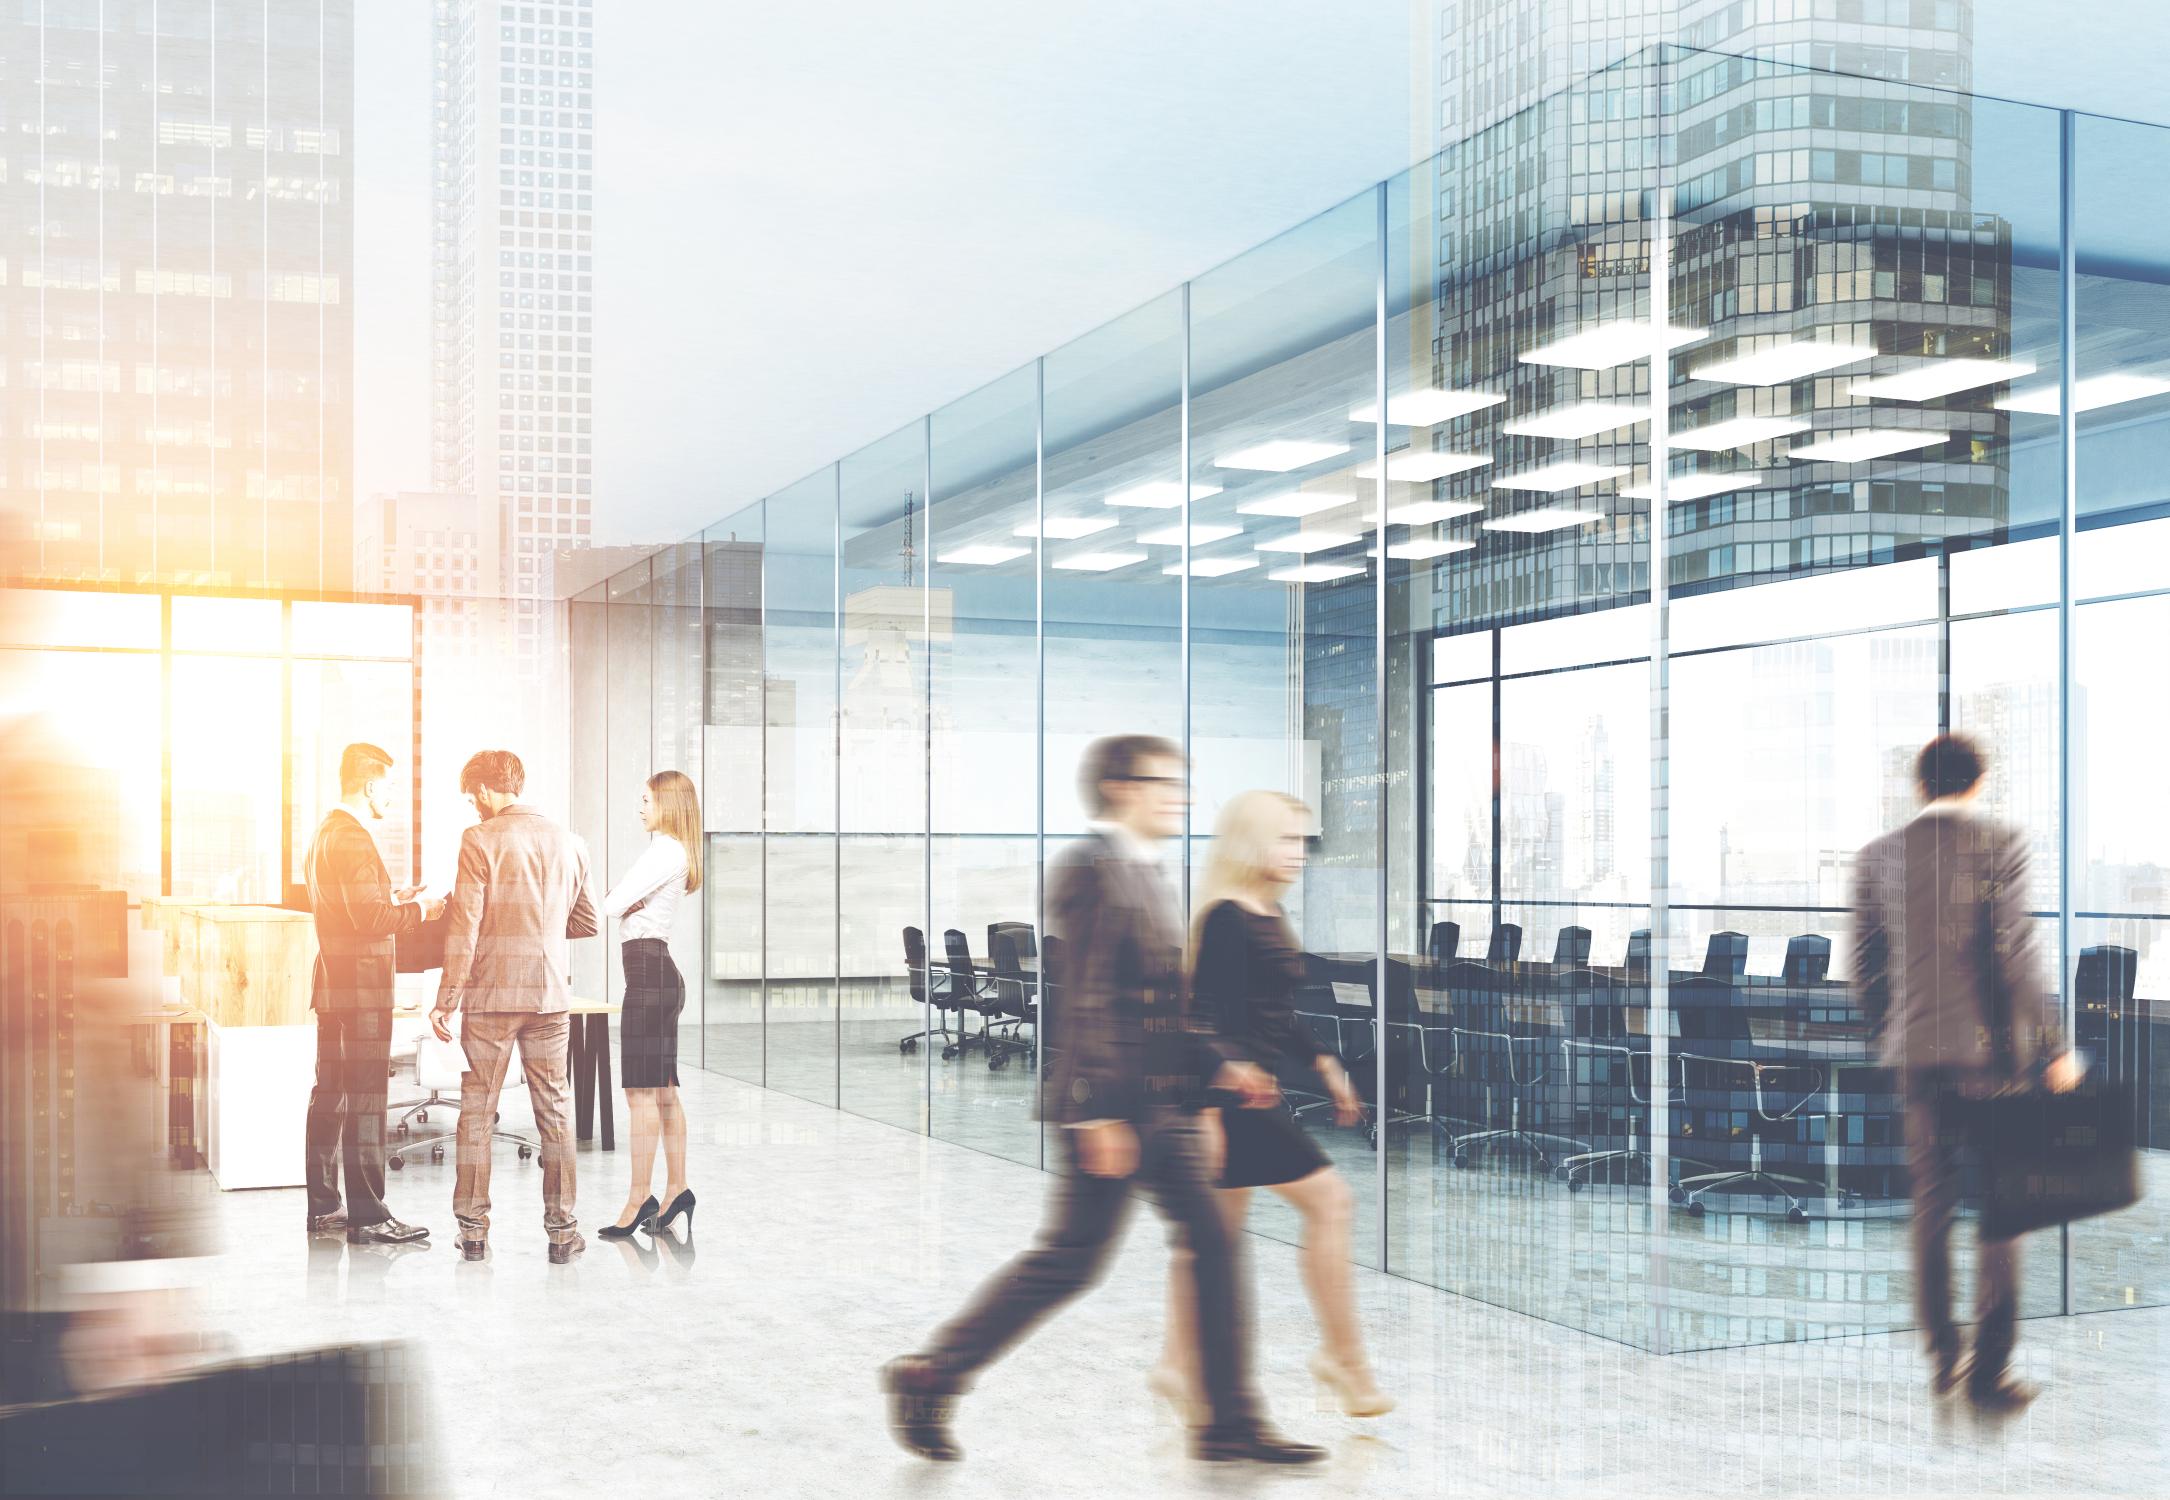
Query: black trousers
pixel 346 1112
pixel 1938 1140
pixel 1085 1218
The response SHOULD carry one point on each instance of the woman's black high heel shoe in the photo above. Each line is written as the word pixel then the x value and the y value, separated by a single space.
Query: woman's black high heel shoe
pixel 641 1220
pixel 682 1204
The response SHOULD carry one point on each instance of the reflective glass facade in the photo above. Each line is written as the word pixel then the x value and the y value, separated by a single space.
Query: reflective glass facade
pixel 1730 429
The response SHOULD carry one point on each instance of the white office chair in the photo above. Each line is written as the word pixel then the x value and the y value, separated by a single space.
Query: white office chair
pixel 438 1069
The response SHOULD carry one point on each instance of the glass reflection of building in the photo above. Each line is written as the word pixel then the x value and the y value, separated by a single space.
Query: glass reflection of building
pixel 1540 794
pixel 176 308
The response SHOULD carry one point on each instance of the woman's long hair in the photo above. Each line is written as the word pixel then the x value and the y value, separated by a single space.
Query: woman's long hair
pixel 1243 845
pixel 678 813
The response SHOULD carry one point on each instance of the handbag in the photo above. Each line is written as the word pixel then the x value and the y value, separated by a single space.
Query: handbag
pixel 2048 1158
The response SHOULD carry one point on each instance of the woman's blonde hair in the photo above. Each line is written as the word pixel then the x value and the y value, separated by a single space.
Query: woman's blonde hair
pixel 1243 846
pixel 678 813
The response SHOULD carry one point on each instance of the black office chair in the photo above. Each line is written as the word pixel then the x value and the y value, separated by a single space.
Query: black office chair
pixel 1021 932
pixel 2113 1025
pixel 1506 944
pixel 928 989
pixel 1637 959
pixel 1016 1006
pixel 1708 1018
pixel 1726 956
pixel 971 992
pixel 1498 1051
pixel 1571 949
pixel 1606 1054
pixel 1446 942
pixel 1808 959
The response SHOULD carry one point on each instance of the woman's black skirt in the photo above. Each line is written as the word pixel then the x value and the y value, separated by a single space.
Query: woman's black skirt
pixel 655 993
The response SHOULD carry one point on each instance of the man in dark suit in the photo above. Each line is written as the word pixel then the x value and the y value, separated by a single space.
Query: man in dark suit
pixel 359 919
pixel 1945 965
pixel 1129 1082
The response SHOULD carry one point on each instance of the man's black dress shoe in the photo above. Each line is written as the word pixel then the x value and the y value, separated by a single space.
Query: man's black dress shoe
pixel 1260 1445
pixel 562 1251
pixel 385 1232
pixel 474 1249
pixel 326 1223
pixel 919 1409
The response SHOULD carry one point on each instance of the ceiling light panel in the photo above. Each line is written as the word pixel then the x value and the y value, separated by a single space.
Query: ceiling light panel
pixel 1200 533
pixel 1097 562
pixel 1425 512
pixel 1314 573
pixel 1419 548
pixel 1609 344
pixel 985 555
pixel 1946 377
pixel 1581 420
pixel 1293 503
pixel 1860 447
pixel 1426 408
pixel 1212 567
pixel 1422 465
pixel 1307 541
pixel 1067 528
pixel 1738 432
pixel 1785 363
pixel 1532 522
pixel 1160 494
pixel 1567 474
pixel 2090 394
pixel 1281 455
pixel 1696 486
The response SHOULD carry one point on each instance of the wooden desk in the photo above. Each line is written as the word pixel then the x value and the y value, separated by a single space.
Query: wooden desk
pixel 587 1056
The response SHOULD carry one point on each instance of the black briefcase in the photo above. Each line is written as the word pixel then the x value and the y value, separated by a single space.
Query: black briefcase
pixel 421 950
pixel 341 1421
pixel 2050 1158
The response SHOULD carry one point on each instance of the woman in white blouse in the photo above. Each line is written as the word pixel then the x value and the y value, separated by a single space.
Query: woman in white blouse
pixel 645 903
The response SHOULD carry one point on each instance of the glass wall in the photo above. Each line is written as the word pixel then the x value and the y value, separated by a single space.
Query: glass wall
pixel 1590 526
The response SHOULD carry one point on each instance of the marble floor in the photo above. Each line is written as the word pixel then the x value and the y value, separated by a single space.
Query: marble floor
pixel 739 1359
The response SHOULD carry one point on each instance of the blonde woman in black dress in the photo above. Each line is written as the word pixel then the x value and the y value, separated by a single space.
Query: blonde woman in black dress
pixel 646 906
pixel 1245 971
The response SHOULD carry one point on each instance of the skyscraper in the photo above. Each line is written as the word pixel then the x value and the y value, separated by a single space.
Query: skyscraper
pixel 176 304
pixel 512 363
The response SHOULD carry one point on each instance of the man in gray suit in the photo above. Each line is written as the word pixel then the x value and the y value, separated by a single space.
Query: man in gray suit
pixel 522 891
pixel 1945 964
pixel 1131 1082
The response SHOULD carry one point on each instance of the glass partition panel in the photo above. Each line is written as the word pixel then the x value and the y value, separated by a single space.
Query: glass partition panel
pixel 336 704
pixel 1518 360
pixel 2121 819
pixel 799 683
pixel 1113 619
pixel 983 733
pixel 734 900
pixel 587 633
pixel 226 748
pixel 630 598
pixel 676 642
pixel 1284 647
pixel 86 803
pixel 1853 412
pixel 891 626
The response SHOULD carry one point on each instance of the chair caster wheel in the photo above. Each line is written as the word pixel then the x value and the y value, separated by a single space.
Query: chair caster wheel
pixel 948 1053
pixel 1695 1209
pixel 1574 1184
pixel 525 1153
pixel 421 1117
pixel 1796 1215
pixel 400 1130
pixel 1679 1197
pixel 1371 1136
pixel 1461 1159
pixel 907 1048
pixel 396 1163
pixel 436 1153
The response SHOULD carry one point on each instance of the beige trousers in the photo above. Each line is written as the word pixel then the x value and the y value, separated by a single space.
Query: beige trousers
pixel 488 1038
